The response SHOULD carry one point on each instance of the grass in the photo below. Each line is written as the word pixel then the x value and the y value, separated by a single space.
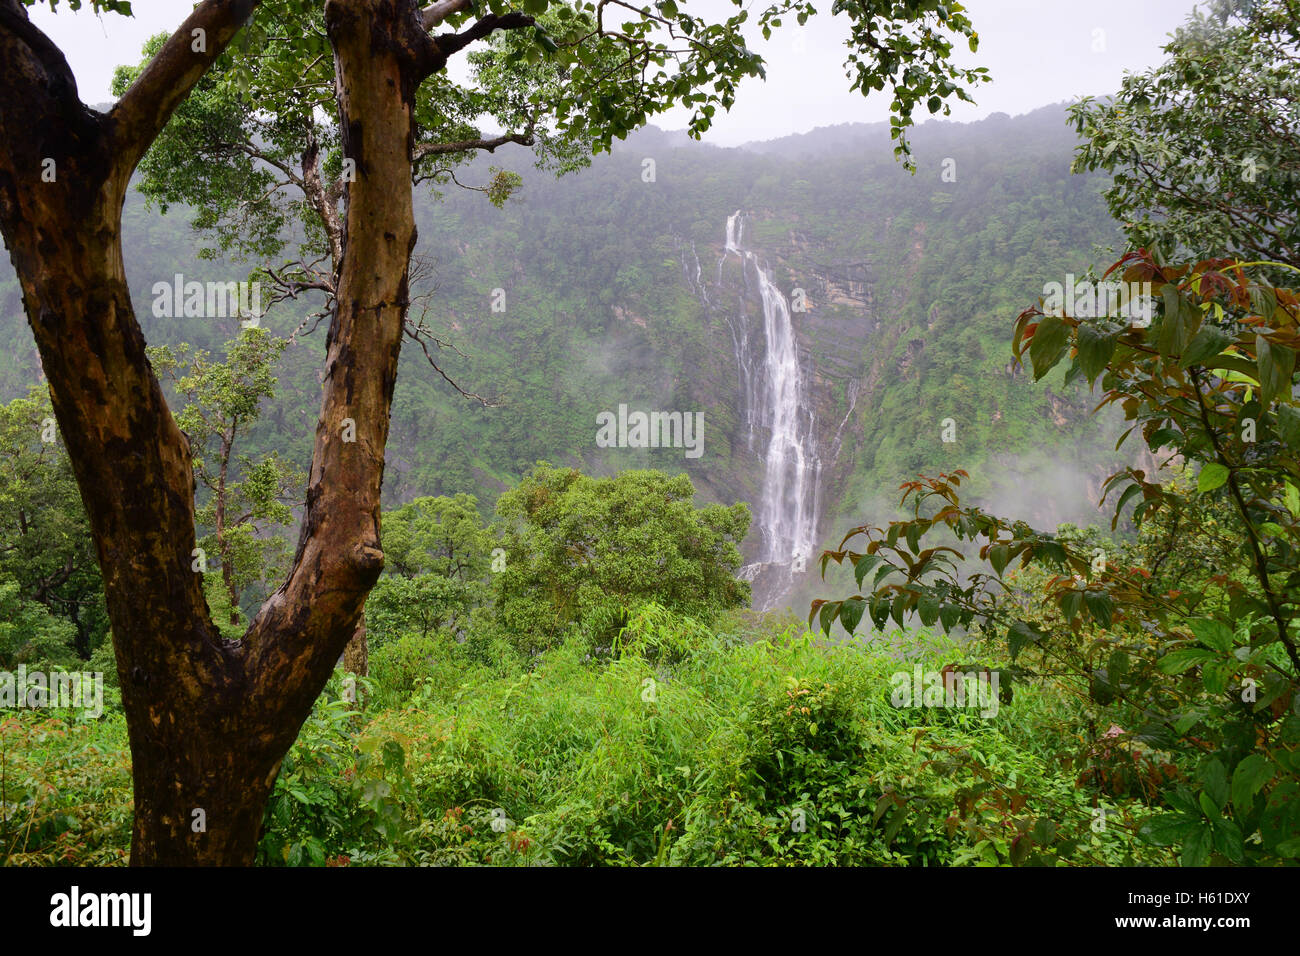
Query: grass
pixel 679 747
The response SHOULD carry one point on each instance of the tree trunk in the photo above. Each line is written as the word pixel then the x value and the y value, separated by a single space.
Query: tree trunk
pixel 201 804
pixel 209 720
pixel 223 550
pixel 356 656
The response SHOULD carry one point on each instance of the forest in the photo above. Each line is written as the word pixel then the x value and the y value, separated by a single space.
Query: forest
pixel 414 455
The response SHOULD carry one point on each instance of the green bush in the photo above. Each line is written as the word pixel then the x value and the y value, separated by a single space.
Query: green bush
pixel 66 799
pixel 688 746
pixel 398 668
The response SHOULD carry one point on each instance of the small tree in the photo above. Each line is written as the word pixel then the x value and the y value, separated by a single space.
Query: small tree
pixel 439 554
pixel 247 496
pixel 576 546
pixel 1204 150
pixel 1209 672
pixel 46 547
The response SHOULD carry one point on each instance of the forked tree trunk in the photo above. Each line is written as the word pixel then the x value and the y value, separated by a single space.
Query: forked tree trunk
pixel 209 720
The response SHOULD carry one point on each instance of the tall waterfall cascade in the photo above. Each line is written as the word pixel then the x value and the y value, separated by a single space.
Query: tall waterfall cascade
pixel 781 428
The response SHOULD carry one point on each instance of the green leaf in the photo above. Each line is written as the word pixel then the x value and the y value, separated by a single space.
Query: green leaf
pixel 1100 606
pixel 1129 492
pixel 1071 604
pixel 1212 476
pixel 1215 676
pixel 1100 688
pixel 1096 346
pixel 1052 551
pixel 394 757
pixel 1157 734
pixel 1164 436
pixel 1196 851
pixel 1048 344
pixel 898 609
pixel 1212 633
pixel 896 820
pixel 1263 300
pixel 878 608
pixel 928 609
pixel 1288 425
pixel 1276 365
pixel 1173 326
pixel 1215 778
pixel 1228 839
pixel 1118 665
pixel 1176 662
pixel 1021 634
pixel 1180 798
pixel 1208 342
pixel 864 564
pixel 1248 779
pixel 851 613
pixel 1289 848
pixel 1169 828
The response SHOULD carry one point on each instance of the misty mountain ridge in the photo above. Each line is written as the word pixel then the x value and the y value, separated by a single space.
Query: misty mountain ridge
pixel 908 285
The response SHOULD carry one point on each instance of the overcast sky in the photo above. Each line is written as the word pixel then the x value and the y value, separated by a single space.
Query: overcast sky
pixel 1038 52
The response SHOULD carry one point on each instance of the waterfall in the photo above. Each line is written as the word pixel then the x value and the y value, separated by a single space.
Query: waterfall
pixel 775 399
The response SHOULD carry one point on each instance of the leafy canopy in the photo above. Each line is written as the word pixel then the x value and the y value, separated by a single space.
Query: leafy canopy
pixel 1204 150
pixel 576 545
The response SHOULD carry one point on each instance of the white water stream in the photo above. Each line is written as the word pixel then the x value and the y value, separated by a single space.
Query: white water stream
pixel 777 408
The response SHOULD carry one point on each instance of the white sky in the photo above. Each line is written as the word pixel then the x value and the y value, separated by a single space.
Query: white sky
pixel 1038 52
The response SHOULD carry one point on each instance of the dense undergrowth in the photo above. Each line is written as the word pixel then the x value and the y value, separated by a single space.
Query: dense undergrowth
pixel 749 742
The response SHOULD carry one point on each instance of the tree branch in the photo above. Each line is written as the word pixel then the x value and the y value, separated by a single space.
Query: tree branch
pixel 489 145
pixel 435 13
pixel 144 109
pixel 60 83
pixel 445 44
pixel 323 202
pixel 1256 548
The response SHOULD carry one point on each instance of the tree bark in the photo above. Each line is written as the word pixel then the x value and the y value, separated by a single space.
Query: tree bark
pixel 208 720
pixel 356 656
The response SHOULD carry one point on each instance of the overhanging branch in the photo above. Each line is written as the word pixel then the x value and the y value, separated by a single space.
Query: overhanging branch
pixel 488 144
pixel 166 81
pixel 445 44
pixel 60 83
